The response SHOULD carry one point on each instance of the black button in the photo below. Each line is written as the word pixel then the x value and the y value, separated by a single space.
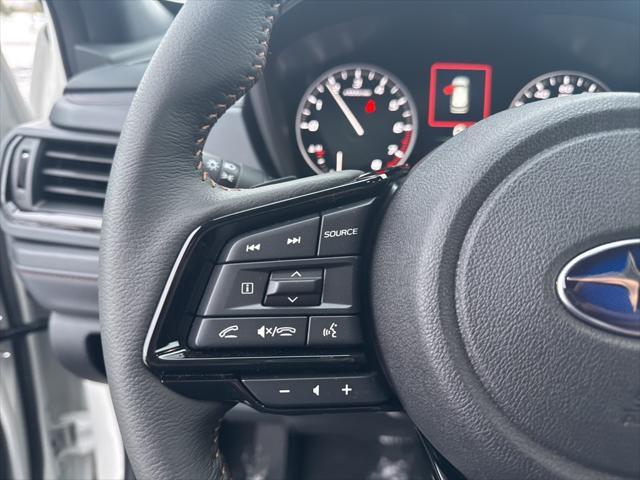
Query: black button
pixel 297 274
pixel 238 289
pixel 229 174
pixel 248 332
pixel 317 391
pixel 291 240
pixel 295 281
pixel 342 229
pixel 334 331
pixel 292 300
pixel 341 286
pixel 233 288
pixel 212 164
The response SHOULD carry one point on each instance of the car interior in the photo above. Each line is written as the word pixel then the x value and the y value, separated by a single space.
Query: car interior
pixel 307 239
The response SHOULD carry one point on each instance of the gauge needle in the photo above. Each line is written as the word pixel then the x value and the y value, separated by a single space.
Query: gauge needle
pixel 346 110
pixel 339 161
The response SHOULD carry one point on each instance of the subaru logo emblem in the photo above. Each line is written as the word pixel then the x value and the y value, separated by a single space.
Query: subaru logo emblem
pixel 602 286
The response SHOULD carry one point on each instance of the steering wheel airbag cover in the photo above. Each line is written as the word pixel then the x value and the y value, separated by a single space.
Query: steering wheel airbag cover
pixel 496 373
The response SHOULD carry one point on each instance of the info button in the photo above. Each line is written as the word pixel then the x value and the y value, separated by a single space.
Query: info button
pixel 342 229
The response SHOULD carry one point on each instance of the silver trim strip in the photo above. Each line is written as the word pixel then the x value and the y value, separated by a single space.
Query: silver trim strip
pixel 165 294
pixel 46 272
pixel 52 219
pixel 175 356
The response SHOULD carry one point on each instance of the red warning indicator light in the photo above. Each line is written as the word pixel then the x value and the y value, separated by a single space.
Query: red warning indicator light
pixel 370 106
pixel 459 94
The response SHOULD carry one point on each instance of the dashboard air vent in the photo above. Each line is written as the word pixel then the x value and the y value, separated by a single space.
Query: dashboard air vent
pixel 73 176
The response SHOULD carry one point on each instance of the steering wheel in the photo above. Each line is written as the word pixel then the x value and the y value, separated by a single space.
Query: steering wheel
pixel 473 339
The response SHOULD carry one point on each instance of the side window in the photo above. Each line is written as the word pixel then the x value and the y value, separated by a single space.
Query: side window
pixel 31 55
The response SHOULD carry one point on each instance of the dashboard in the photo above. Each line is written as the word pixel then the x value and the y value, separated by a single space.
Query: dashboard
pixel 364 86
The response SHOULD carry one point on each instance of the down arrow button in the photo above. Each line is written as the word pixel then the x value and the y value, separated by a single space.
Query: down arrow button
pixel 294 288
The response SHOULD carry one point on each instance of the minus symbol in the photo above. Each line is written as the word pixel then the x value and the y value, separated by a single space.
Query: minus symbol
pixel 284 391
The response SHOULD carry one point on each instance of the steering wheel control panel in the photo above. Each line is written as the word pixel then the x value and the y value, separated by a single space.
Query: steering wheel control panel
pixel 268 307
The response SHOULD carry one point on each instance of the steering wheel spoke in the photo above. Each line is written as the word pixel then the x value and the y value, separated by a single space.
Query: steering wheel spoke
pixel 270 305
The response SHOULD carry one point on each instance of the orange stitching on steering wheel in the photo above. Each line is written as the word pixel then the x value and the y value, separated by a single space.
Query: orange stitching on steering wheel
pixel 247 82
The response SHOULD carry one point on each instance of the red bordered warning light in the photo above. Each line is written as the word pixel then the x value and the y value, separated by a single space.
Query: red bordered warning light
pixel 459 94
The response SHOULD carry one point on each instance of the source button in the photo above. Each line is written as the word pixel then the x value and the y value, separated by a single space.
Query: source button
pixel 342 229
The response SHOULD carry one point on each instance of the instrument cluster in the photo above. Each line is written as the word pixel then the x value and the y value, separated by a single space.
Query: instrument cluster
pixel 362 117
pixel 349 92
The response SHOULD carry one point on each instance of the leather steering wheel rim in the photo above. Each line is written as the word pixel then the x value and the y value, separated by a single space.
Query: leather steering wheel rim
pixel 212 54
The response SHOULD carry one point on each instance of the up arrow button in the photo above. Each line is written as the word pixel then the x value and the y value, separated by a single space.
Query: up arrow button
pixel 294 288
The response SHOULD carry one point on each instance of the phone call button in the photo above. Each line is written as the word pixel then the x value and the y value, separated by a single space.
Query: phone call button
pixel 248 332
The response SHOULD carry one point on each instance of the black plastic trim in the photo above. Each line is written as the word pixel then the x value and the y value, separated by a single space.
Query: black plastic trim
pixel 22 330
pixel 215 374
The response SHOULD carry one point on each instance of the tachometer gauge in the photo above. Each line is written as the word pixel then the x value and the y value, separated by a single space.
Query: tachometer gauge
pixel 557 84
pixel 356 117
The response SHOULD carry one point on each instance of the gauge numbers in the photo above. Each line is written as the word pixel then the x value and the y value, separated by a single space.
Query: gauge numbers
pixel 356 117
pixel 557 84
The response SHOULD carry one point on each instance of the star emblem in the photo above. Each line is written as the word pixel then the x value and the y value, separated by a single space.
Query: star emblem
pixel 629 279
